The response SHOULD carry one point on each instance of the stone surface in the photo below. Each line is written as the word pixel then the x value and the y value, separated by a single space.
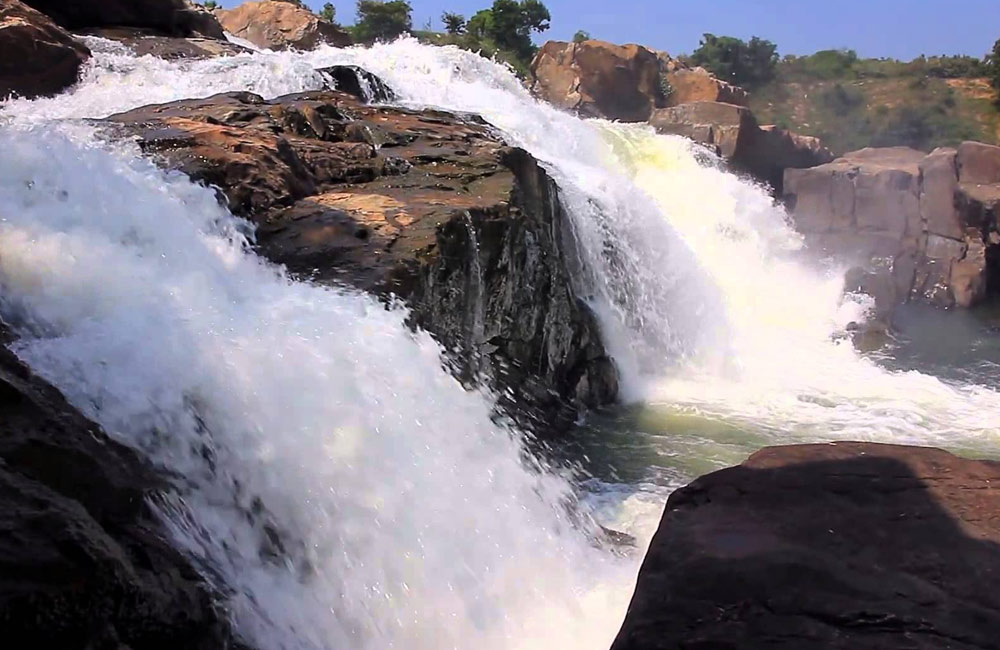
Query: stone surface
pixel 685 85
pixel 39 58
pixel 910 214
pixel 145 42
pixel 83 561
pixel 849 546
pixel 599 79
pixel 277 25
pixel 733 133
pixel 425 205
pixel 166 17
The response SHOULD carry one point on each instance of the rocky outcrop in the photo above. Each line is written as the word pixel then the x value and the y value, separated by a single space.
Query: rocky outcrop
pixel 685 84
pixel 39 58
pixel 733 133
pixel 425 205
pixel 599 79
pixel 277 25
pixel 929 222
pixel 165 17
pixel 144 42
pixel 848 546
pixel 83 561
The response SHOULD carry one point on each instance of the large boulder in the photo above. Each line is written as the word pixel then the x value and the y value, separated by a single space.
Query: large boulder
pixel 166 17
pixel 929 221
pixel 39 58
pixel 424 205
pixel 280 25
pixel 84 562
pixel 733 133
pixel 685 85
pixel 144 42
pixel 846 546
pixel 599 79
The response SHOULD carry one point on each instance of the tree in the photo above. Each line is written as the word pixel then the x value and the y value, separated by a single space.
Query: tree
pixel 508 24
pixel 581 36
pixel 736 61
pixel 993 67
pixel 382 20
pixel 211 5
pixel 453 23
pixel 328 13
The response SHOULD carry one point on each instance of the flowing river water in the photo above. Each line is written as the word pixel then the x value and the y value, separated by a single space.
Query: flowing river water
pixel 310 422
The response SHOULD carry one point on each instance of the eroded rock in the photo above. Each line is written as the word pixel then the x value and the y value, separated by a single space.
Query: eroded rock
pixel 38 57
pixel 425 205
pixel 277 25
pixel 849 546
pixel 166 17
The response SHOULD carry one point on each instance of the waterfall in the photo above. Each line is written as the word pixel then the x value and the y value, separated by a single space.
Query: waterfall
pixel 342 488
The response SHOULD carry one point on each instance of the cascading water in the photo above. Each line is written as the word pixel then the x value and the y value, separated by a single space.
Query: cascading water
pixel 345 490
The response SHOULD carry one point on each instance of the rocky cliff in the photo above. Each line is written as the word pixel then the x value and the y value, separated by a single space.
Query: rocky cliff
pixel 928 223
pixel 424 205
pixel 39 57
pixel 847 546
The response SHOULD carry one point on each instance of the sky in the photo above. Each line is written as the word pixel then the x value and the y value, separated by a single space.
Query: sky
pixel 901 29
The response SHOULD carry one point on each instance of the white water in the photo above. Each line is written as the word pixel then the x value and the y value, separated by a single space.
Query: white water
pixel 409 519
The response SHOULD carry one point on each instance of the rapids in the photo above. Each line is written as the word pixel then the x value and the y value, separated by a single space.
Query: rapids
pixel 310 424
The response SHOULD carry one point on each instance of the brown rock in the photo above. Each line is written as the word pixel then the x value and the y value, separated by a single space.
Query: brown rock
pixel 844 546
pixel 687 85
pixel 598 79
pixel 166 17
pixel 939 175
pixel 39 58
pixel 425 205
pixel 978 163
pixel 277 25
pixel 143 42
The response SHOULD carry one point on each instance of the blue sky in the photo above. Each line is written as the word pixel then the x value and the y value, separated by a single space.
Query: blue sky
pixel 895 28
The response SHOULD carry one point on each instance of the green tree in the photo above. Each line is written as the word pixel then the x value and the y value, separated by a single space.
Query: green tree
pixel 508 24
pixel 210 5
pixel 382 20
pixel 453 23
pixel 328 13
pixel 581 36
pixel 993 67
pixel 736 61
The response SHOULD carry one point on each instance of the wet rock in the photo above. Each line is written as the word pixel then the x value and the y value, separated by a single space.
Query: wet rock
pixel 84 563
pixel 277 25
pixel 839 546
pixel 425 205
pixel 145 42
pixel 931 219
pixel 39 58
pixel 165 17
pixel 358 82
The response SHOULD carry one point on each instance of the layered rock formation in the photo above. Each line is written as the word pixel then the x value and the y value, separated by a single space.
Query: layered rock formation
pixel 631 83
pixel 468 231
pixel 83 561
pixel 166 17
pixel 929 223
pixel 847 546
pixel 278 25
pixel 39 58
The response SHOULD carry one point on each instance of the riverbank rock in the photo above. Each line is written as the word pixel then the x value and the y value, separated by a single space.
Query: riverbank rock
pixel 278 25
pixel 850 546
pixel 425 205
pixel 928 221
pixel 83 561
pixel 598 79
pixel 39 58
pixel 165 17
pixel 733 133
pixel 144 42
pixel 685 85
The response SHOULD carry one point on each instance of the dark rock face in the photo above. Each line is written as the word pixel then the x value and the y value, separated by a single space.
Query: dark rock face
pixel 39 58
pixel 168 17
pixel 143 42
pixel 83 561
pixel 929 222
pixel 356 81
pixel 467 231
pixel 847 546
pixel 732 131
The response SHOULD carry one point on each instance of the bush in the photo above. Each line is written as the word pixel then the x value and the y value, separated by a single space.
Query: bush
pixel 382 20
pixel 581 36
pixel 453 23
pixel 738 62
